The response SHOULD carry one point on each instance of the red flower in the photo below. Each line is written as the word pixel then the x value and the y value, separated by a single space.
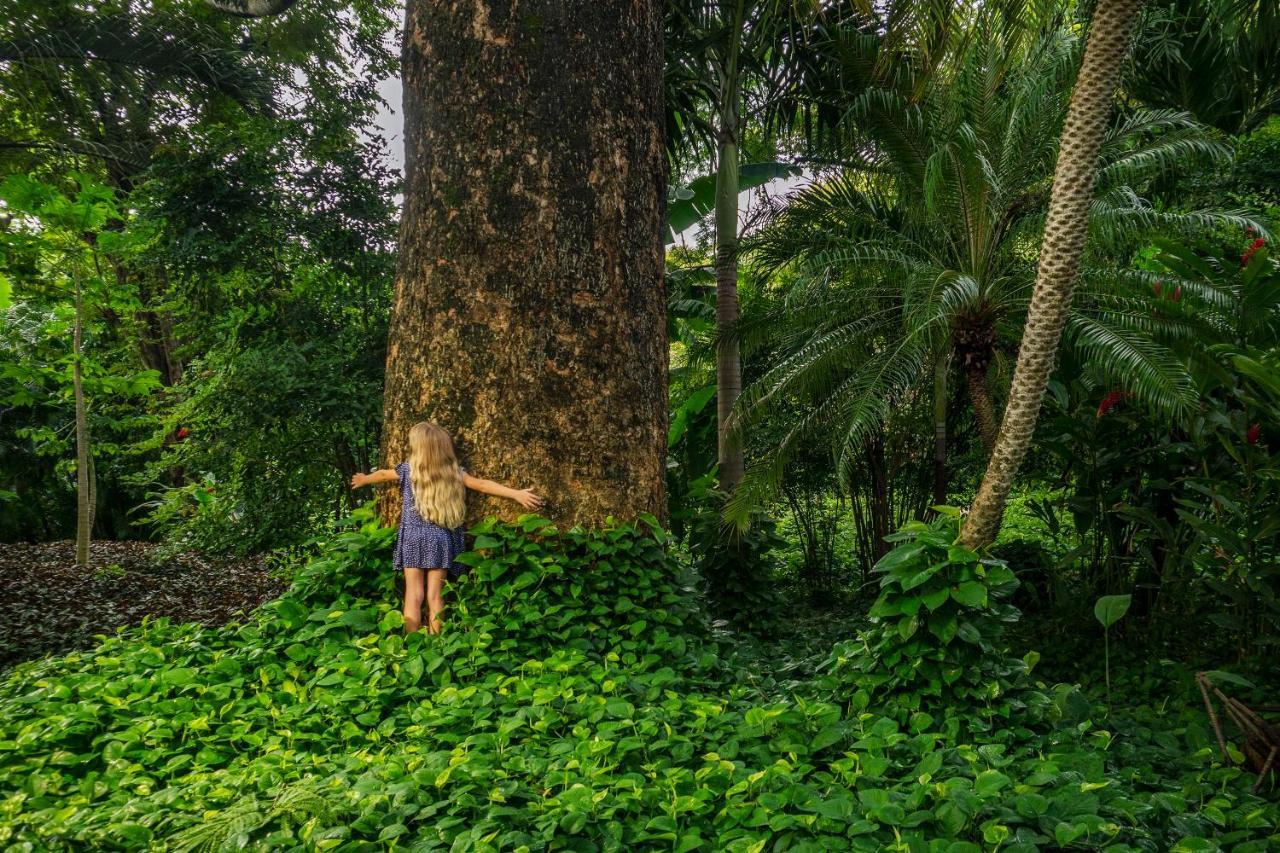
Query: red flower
pixel 1111 400
pixel 1177 293
pixel 181 433
pixel 1251 251
pixel 1254 432
pixel 1158 287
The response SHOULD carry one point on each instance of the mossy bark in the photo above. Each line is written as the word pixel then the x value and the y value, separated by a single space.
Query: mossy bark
pixel 529 314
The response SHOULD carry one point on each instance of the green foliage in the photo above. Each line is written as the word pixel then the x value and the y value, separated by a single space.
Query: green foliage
pixel 924 244
pixel 1216 59
pixel 253 191
pixel 938 626
pixel 690 203
pixel 65 239
pixel 1183 515
pixel 1110 609
pixel 575 698
pixel 738 568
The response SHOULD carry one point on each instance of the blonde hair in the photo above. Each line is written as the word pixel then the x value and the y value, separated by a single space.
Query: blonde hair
pixel 438 492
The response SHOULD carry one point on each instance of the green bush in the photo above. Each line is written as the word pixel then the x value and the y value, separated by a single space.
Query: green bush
pixel 738 568
pixel 937 634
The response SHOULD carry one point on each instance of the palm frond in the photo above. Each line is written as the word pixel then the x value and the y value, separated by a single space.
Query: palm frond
pixel 1134 362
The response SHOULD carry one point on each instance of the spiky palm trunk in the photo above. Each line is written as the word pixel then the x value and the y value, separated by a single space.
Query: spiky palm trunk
pixel 728 357
pixel 1060 252
pixel 84 480
pixel 529 315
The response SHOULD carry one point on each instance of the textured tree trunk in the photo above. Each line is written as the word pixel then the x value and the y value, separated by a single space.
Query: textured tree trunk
pixel 156 336
pixel 984 411
pixel 1060 252
pixel 940 428
pixel 84 482
pixel 529 316
pixel 728 357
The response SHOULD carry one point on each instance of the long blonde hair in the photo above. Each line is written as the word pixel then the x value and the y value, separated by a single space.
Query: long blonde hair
pixel 438 492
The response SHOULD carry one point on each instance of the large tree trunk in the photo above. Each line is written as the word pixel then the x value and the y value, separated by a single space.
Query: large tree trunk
pixel 529 316
pixel 1060 252
pixel 728 356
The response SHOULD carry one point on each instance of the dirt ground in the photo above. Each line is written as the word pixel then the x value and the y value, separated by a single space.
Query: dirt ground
pixel 48 605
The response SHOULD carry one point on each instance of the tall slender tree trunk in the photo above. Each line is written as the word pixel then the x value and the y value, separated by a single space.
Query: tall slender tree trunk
pixel 84 481
pixel 529 313
pixel 940 369
pixel 1060 252
pixel 728 356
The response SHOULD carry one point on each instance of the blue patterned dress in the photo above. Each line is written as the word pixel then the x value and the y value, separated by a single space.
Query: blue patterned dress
pixel 420 544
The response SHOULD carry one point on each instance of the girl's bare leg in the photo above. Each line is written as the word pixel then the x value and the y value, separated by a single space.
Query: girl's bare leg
pixel 412 600
pixel 435 598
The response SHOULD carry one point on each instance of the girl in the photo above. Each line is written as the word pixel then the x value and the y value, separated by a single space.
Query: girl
pixel 433 503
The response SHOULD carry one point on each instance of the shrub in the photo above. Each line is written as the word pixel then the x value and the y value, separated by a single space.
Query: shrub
pixel 937 631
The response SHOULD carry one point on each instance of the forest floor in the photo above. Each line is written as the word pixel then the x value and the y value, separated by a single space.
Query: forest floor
pixel 48 605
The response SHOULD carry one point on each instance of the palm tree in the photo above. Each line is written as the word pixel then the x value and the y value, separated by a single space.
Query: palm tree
pixel 1217 59
pixel 722 48
pixel 789 55
pixel 1061 251
pixel 922 250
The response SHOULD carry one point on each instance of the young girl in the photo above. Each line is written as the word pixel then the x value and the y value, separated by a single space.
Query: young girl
pixel 433 503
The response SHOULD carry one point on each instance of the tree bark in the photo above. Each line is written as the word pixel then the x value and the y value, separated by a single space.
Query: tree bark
pixel 984 411
pixel 530 316
pixel 940 428
pixel 728 356
pixel 84 484
pixel 1060 252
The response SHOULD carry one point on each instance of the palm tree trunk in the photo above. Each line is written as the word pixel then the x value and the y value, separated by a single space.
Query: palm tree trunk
pixel 940 428
pixel 529 316
pixel 84 498
pixel 728 357
pixel 1060 252
pixel 984 411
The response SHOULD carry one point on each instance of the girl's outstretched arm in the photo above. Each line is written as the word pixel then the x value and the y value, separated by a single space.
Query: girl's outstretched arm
pixel 525 497
pixel 383 475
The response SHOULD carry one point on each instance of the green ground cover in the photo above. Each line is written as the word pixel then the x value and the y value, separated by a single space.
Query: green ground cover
pixel 579 699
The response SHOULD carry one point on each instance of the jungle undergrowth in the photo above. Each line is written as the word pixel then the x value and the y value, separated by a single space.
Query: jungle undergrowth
pixel 581 699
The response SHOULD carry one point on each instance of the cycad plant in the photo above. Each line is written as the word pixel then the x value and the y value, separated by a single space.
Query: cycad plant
pixel 923 250
pixel 1217 59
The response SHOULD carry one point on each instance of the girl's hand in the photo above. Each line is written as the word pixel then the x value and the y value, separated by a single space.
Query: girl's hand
pixel 358 480
pixel 527 499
